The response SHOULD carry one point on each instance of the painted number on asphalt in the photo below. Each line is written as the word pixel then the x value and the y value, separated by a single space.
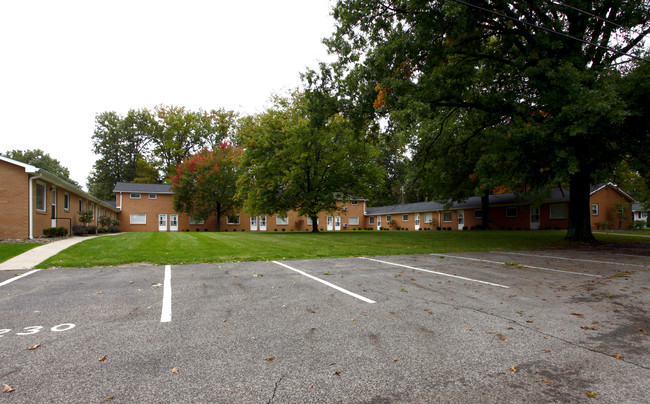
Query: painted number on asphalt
pixel 37 328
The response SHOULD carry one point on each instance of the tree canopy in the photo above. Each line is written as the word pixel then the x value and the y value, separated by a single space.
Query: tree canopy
pixel 302 155
pixel 518 93
pixel 38 158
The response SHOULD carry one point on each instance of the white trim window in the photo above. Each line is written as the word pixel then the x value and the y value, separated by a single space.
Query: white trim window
pixel 194 219
pixel 511 211
pixel 353 221
pixel 428 217
pixel 558 211
pixel 281 220
pixel 134 196
pixel 81 205
pixel 66 201
pixel 41 197
pixel 153 196
pixel 478 214
pixel 371 220
pixel 447 216
pixel 234 220
pixel 594 209
pixel 405 217
pixel 311 223
pixel 138 218
pixel 388 217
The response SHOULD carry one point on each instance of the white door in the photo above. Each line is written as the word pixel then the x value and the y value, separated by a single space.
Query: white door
pixel 534 218
pixel 461 219
pixel 330 223
pixel 253 223
pixel 173 222
pixel 162 222
pixel 262 223
pixel 53 207
pixel 416 221
pixel 378 222
pixel 337 223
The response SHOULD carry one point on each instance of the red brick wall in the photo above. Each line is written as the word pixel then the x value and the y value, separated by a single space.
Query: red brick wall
pixel 606 198
pixel 14 202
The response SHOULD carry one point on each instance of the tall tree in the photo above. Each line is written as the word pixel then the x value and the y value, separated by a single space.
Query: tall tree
pixel 547 77
pixel 40 159
pixel 205 183
pixel 303 155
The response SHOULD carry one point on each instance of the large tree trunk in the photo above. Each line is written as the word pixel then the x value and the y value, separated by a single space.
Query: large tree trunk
pixel 485 210
pixel 314 224
pixel 218 216
pixel 579 209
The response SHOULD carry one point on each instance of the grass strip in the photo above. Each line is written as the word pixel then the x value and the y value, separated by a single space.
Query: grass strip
pixel 8 251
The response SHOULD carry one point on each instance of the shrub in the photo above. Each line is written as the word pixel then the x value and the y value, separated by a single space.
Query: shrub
pixel 639 224
pixel 79 230
pixel 115 222
pixel 55 232
pixel 113 229
pixel 102 230
pixel 86 217
pixel 92 229
pixel 105 221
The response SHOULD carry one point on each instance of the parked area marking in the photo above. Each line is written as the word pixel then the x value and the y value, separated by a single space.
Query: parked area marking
pixel 331 285
pixel 166 315
pixel 569 259
pixel 37 328
pixel 18 277
pixel 524 266
pixel 437 273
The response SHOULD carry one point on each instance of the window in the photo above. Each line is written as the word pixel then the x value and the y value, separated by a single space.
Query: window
pixel 428 217
pixel 41 198
pixel 511 212
pixel 558 211
pixel 446 216
pixel 66 201
pixel 594 209
pixel 371 220
pixel 232 220
pixel 388 218
pixel 138 218
pixel 311 223
pixel 194 219
pixel 405 218
pixel 281 220
pixel 353 221
pixel 153 196
pixel 478 214
pixel 81 205
pixel 354 202
pixel 135 196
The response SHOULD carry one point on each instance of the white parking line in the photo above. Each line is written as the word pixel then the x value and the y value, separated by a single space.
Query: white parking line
pixel 15 278
pixel 331 285
pixel 569 259
pixel 166 315
pixel 437 273
pixel 524 266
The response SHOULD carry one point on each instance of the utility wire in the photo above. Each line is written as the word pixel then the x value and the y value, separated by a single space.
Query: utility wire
pixel 550 30
pixel 588 13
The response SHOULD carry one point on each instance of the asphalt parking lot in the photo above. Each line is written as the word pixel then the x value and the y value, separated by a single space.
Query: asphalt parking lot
pixel 495 327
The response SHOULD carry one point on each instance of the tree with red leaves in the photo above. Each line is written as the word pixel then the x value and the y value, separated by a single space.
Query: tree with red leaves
pixel 205 183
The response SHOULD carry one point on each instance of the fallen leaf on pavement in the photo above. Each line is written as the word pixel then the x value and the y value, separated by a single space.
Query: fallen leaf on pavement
pixel 338 373
pixel 502 338
pixel 618 356
pixel 31 348
pixel 588 328
pixel 100 292
pixel 270 358
pixel 590 394
pixel 514 369
pixel 576 314
pixel 103 358
pixel 546 381
pixel 174 370
pixel 468 329
pixel 643 331
pixel 7 389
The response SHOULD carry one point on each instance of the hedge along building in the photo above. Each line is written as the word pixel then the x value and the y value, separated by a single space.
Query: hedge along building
pixel 32 199
pixel 150 207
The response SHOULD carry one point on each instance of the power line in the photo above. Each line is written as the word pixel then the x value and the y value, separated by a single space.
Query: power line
pixel 588 13
pixel 550 30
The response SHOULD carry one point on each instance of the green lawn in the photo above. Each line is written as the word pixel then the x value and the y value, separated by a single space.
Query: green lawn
pixel 192 248
pixel 11 250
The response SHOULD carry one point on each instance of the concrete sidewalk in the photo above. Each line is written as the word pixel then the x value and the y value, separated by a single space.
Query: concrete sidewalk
pixel 35 256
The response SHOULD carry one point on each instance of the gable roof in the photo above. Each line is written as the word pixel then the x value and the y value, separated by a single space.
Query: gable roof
pixel 596 188
pixel 129 187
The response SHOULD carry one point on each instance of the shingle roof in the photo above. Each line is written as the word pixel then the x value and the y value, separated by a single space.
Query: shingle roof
pixel 637 207
pixel 143 188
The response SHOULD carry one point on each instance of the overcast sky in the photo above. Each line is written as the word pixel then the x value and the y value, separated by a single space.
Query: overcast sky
pixel 62 62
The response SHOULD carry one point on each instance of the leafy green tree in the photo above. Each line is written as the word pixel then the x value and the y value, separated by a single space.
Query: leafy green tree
pixel 205 183
pixel 40 159
pixel 301 154
pixel 546 82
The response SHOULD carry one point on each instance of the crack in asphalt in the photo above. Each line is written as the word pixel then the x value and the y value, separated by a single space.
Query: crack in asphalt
pixel 275 389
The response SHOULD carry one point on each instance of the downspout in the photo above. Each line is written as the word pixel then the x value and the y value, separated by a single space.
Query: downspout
pixel 31 205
